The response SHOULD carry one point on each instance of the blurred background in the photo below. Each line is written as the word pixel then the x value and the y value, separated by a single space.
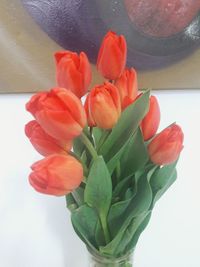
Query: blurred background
pixel 163 39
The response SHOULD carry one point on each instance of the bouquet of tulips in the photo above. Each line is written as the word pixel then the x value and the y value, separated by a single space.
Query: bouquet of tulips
pixel 105 156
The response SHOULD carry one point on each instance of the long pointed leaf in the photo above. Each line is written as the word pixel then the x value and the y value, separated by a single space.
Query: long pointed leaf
pixel 84 221
pixel 135 156
pixel 98 191
pixel 126 126
pixel 162 179
pixel 138 205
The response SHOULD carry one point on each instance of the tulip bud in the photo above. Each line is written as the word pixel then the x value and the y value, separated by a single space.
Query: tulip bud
pixel 59 112
pixel 105 106
pixel 166 146
pixel 90 120
pixel 44 143
pixel 112 56
pixel 56 175
pixel 128 101
pixel 151 121
pixel 127 86
pixel 73 72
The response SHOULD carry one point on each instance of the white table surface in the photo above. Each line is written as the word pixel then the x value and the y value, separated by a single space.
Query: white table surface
pixel 35 229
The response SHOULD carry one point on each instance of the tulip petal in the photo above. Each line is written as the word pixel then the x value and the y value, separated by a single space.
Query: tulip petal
pixel 112 56
pixel 165 148
pixel 56 175
pixel 105 105
pixel 74 106
pixel 59 124
pixel 73 72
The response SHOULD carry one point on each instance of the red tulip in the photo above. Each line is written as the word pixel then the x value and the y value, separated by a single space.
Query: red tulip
pixel 73 72
pixel 59 112
pixel 151 121
pixel 44 143
pixel 165 148
pixel 90 120
pixel 105 106
pixel 112 56
pixel 127 86
pixel 128 101
pixel 56 175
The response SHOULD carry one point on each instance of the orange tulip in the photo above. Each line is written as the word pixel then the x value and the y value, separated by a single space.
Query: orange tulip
pixel 128 101
pixel 73 72
pixel 44 143
pixel 90 120
pixel 105 106
pixel 59 112
pixel 165 148
pixel 127 86
pixel 112 56
pixel 151 121
pixel 56 175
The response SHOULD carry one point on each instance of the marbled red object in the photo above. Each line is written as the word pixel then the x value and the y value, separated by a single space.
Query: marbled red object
pixel 158 32
pixel 162 18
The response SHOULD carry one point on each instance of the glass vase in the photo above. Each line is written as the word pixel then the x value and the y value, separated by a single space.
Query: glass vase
pixel 102 261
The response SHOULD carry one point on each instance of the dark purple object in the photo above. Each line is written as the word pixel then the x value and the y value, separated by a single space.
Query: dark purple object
pixel 81 24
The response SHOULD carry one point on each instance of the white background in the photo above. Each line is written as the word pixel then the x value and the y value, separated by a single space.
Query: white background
pixel 35 229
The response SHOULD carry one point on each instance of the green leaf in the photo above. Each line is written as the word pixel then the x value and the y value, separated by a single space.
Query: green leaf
pixel 84 221
pixel 139 203
pixel 97 133
pixel 162 179
pixel 136 206
pixel 129 233
pixel 99 235
pixel 135 156
pixel 104 136
pixel 71 203
pixel 135 236
pixel 122 186
pixel 84 156
pixel 98 191
pixel 115 215
pixel 78 195
pixel 129 193
pixel 126 126
pixel 114 160
pixel 171 180
pixel 78 146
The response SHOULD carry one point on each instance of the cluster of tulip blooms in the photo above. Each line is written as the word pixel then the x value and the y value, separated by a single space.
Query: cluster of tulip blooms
pixel 105 155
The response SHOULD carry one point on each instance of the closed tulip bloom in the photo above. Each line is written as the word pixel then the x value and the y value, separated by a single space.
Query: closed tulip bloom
pixel 59 112
pixel 151 121
pixel 165 148
pixel 90 120
pixel 112 55
pixel 105 105
pixel 73 72
pixel 127 86
pixel 44 143
pixel 128 101
pixel 56 175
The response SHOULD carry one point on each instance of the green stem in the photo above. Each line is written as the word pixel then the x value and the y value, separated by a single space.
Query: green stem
pixel 91 130
pixel 77 198
pixel 103 139
pixel 88 132
pixel 71 203
pixel 105 229
pixel 89 146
